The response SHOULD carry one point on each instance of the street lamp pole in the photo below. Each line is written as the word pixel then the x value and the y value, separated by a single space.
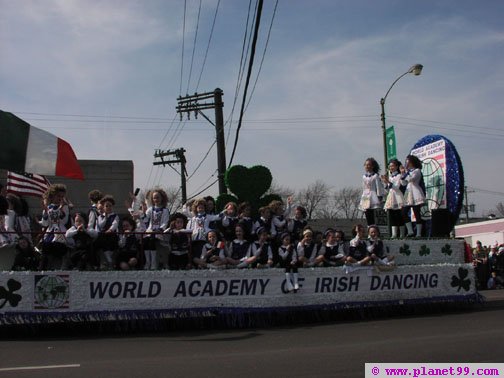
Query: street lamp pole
pixel 415 70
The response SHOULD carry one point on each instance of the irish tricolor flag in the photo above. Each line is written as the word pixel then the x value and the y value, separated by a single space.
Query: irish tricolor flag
pixel 28 149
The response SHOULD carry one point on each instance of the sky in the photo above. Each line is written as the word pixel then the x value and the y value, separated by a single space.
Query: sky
pixel 105 76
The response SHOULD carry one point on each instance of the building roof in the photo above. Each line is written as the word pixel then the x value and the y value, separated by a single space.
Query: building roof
pixel 495 225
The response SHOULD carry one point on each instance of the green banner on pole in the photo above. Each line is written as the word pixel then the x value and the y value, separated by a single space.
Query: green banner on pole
pixel 391 143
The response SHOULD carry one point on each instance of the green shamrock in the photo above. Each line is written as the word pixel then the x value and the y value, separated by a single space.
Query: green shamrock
pixel 461 281
pixel 8 295
pixel 404 250
pixel 247 185
pixel 424 250
pixel 447 250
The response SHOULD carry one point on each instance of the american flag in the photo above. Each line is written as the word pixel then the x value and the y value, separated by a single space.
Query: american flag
pixel 26 184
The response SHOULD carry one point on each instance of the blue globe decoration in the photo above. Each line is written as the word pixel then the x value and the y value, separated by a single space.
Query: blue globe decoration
pixel 433 177
pixel 51 292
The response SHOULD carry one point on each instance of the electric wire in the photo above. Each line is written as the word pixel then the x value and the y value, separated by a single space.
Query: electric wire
pixel 486 191
pixel 204 189
pixel 183 48
pixel 247 81
pixel 208 46
pixel 167 131
pixel 240 73
pixel 263 56
pixel 202 160
pixel 194 48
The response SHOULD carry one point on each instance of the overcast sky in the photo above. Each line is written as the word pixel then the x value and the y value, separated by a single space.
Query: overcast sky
pixel 105 76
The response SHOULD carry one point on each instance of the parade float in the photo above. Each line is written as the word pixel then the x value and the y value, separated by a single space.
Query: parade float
pixel 428 272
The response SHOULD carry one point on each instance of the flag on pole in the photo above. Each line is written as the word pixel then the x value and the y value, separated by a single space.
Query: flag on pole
pixel 391 143
pixel 28 149
pixel 26 184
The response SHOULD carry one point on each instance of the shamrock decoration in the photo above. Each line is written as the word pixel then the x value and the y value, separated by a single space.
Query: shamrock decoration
pixel 8 295
pixel 424 250
pixel 404 250
pixel 247 185
pixel 461 281
pixel 447 250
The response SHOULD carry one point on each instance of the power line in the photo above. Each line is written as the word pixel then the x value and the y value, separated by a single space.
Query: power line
pixel 450 123
pixel 249 73
pixel 206 188
pixel 451 129
pixel 202 160
pixel 183 48
pixel 165 120
pixel 240 72
pixel 208 45
pixel 198 129
pixel 194 48
pixel 109 118
pixel 91 116
pixel 263 55
pixel 168 131
pixel 487 191
pixel 176 134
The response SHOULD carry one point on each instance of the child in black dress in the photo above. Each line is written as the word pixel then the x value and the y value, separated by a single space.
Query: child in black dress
pixel 238 250
pixel 229 221
pixel 261 253
pixel 80 242
pixel 212 254
pixel 358 253
pixel 290 261
pixel 180 243
pixel 107 226
pixel 307 248
pixel 333 252
pixel 129 245
pixel 376 248
pixel 26 256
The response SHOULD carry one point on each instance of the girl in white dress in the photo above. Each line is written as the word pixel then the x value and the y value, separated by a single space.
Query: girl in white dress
pixel 373 190
pixel 414 195
pixel 395 200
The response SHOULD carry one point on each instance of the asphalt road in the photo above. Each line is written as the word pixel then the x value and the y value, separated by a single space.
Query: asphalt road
pixel 339 349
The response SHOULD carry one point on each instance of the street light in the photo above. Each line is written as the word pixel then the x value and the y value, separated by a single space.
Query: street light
pixel 415 70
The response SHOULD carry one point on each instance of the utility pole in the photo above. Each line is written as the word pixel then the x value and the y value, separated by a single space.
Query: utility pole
pixel 179 159
pixel 190 104
pixel 467 206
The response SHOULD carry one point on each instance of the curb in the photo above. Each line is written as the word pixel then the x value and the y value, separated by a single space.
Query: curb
pixel 493 298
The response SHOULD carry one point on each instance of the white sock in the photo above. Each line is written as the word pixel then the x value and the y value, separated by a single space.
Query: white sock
pixel 153 259
pixel 108 256
pixel 409 227
pixel 147 259
pixel 296 283
pixel 395 230
pixel 288 281
pixel 418 230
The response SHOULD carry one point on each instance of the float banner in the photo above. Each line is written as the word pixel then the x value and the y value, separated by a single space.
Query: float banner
pixel 391 143
pixel 433 157
pixel 31 294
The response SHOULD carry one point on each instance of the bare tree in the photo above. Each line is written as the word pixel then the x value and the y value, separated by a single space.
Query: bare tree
pixel 346 203
pixel 282 191
pixel 327 211
pixel 313 197
pixel 174 199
